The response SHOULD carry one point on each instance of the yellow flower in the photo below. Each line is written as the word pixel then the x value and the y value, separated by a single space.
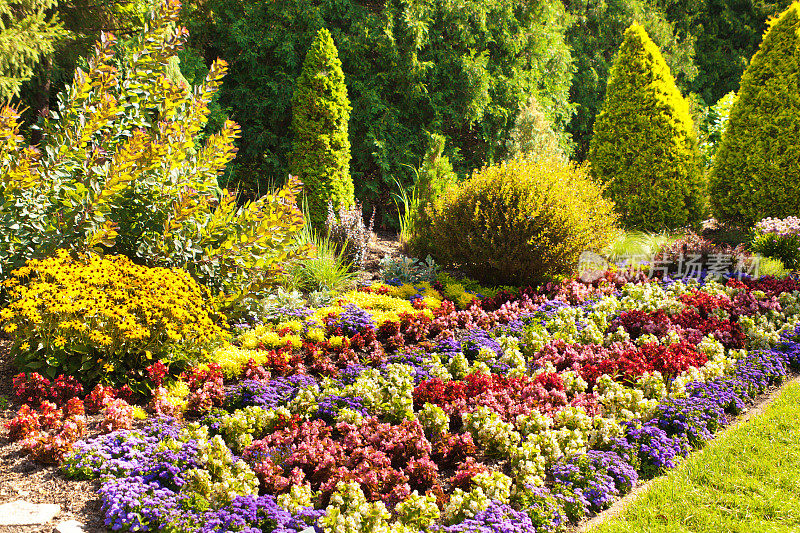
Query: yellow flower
pixel 60 341
pixel 10 328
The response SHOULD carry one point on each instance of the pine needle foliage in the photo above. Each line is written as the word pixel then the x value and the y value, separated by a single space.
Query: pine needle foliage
pixel 756 172
pixel 27 34
pixel 644 146
pixel 321 148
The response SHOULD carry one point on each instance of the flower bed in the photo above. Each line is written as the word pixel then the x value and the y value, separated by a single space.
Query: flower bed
pixel 393 409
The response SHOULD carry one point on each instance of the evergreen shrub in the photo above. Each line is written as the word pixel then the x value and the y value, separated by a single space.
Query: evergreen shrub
pixel 521 222
pixel 756 171
pixel 320 148
pixel 644 146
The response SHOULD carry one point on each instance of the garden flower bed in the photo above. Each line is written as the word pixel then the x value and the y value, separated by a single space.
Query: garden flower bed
pixel 398 409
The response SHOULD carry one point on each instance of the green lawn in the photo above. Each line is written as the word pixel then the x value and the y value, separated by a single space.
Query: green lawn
pixel 746 480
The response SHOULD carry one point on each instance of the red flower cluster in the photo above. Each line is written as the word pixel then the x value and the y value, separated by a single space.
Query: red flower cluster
pixel 509 397
pixel 31 389
pixel 101 395
pixel 206 388
pixel 387 460
pixel 670 360
pixel 49 432
pixel 156 373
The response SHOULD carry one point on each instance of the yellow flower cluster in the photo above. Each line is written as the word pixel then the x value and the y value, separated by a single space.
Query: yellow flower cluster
pixel 384 308
pixel 232 359
pixel 269 337
pixel 456 293
pixel 107 307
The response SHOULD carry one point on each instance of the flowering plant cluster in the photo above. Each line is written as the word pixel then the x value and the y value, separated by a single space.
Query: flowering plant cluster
pixel 527 411
pixel 779 238
pixel 103 317
pixel 48 432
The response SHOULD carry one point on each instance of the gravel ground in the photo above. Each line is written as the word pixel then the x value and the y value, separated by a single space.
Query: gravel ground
pixel 23 479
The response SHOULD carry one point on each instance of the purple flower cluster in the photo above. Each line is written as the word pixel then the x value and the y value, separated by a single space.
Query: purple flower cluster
pixel 141 453
pixel 289 313
pixel 691 419
pixel 448 346
pixel 475 340
pixel 142 475
pixel 543 508
pixel 601 477
pixel 254 514
pixel 137 505
pixel 551 307
pixel 415 358
pixel 497 518
pixel 328 407
pixel 267 394
pixel 353 320
pixel 514 327
pixel 649 448
pixel 349 374
pixel 134 504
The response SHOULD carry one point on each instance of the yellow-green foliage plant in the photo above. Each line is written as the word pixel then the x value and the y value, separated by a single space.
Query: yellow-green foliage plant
pixel 522 222
pixel 121 168
pixel 644 146
pixel 434 176
pixel 756 172
pixel 104 318
pixel 320 148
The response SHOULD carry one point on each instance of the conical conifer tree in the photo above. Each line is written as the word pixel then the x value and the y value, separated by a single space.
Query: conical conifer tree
pixel 320 112
pixel 756 171
pixel 644 146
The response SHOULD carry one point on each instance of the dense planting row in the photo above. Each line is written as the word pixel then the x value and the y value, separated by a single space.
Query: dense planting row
pixel 520 412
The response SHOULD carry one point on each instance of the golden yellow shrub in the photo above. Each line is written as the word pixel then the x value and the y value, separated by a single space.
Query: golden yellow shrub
pixel 104 318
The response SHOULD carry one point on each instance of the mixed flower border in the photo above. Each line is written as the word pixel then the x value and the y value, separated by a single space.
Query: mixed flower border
pixel 394 409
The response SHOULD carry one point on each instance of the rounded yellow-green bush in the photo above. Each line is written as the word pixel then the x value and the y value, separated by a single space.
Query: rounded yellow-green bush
pixel 756 172
pixel 644 147
pixel 104 318
pixel 522 222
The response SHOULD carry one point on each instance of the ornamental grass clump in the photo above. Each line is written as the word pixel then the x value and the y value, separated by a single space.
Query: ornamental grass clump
pixel 104 318
pixel 521 222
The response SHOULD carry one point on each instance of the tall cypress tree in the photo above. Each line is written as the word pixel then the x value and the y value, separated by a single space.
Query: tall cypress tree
pixel 321 149
pixel 27 34
pixel 756 171
pixel 644 146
